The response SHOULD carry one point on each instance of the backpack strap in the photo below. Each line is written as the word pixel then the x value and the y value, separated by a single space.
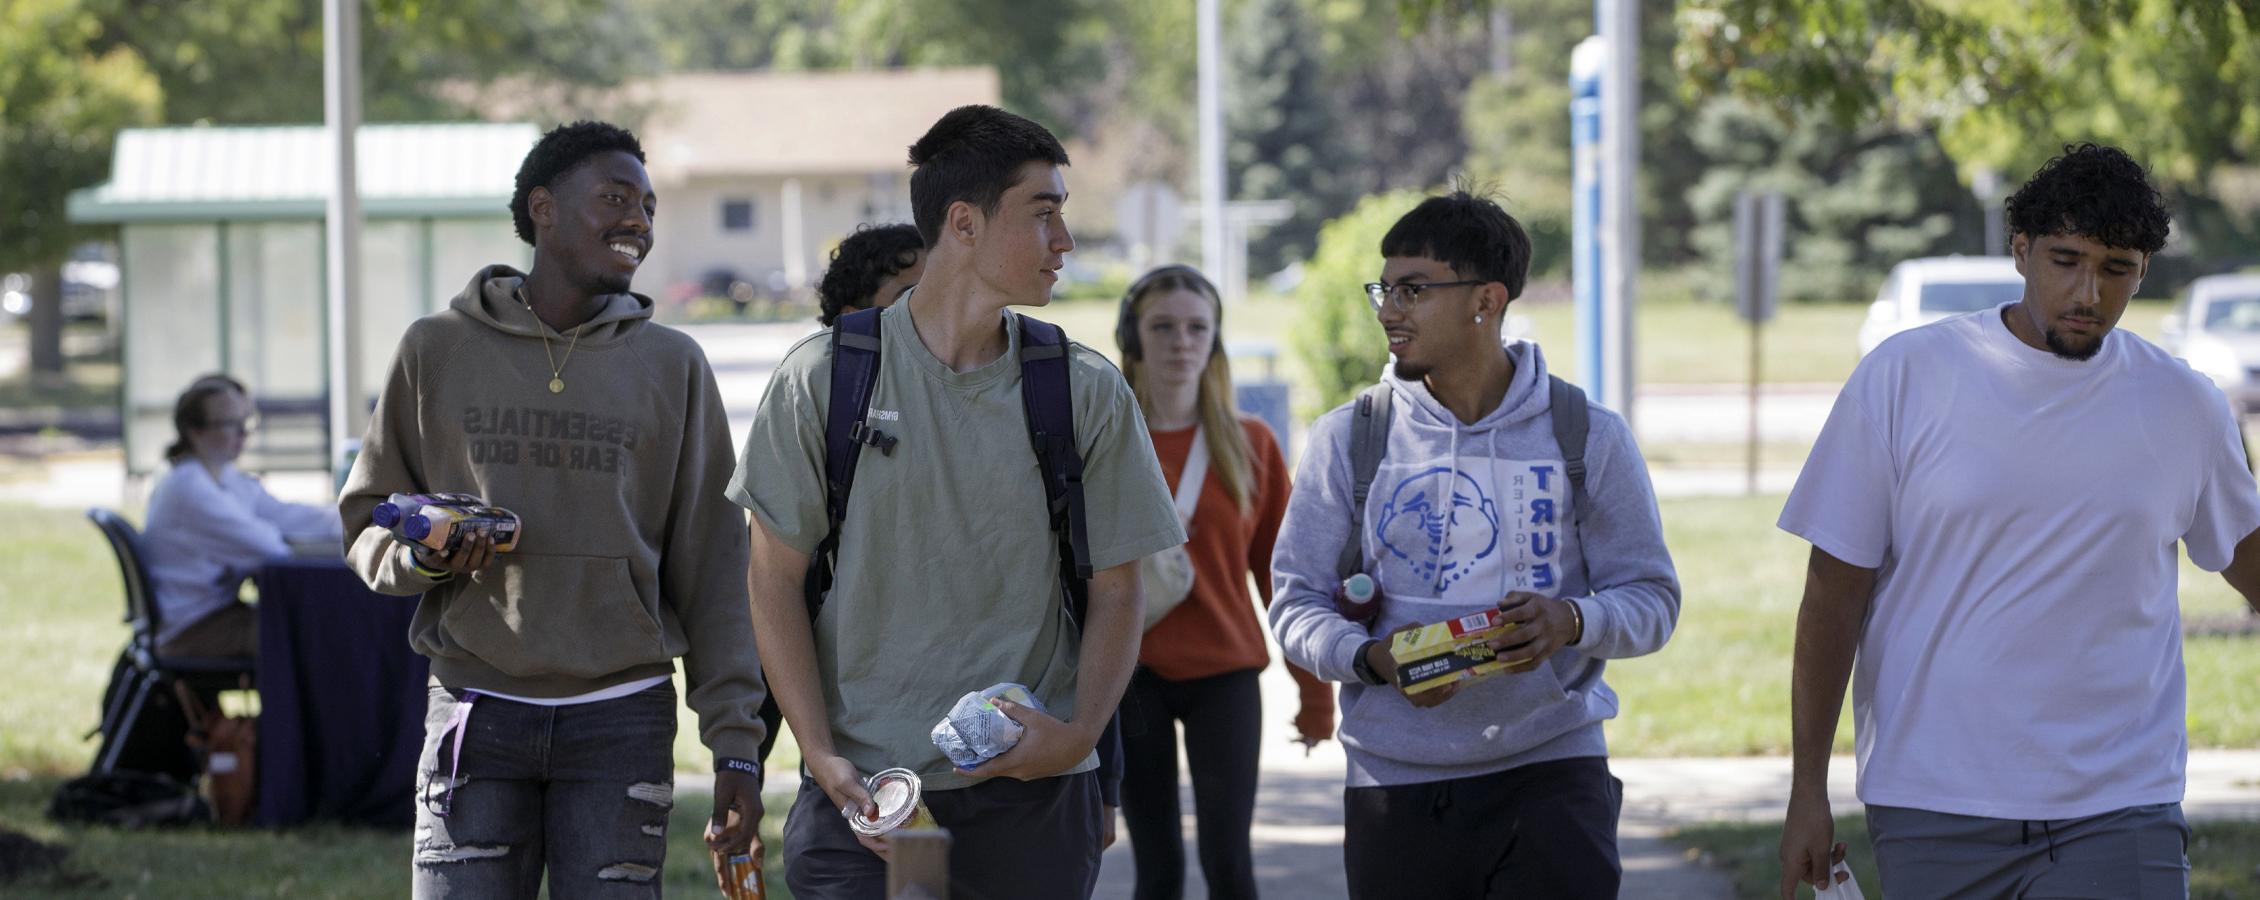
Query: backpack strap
pixel 1369 441
pixel 1048 401
pixel 855 371
pixel 1572 422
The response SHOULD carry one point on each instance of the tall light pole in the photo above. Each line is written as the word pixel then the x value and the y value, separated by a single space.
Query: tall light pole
pixel 1619 22
pixel 1211 111
pixel 341 108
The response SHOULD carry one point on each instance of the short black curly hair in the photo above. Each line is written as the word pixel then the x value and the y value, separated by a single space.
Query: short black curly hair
pixel 1470 233
pixel 559 152
pixel 2092 191
pixel 871 255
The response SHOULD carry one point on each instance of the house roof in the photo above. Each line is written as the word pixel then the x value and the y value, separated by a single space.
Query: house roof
pixel 208 173
pixel 723 124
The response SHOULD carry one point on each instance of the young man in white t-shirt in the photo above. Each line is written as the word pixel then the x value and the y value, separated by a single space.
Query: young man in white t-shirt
pixel 1993 507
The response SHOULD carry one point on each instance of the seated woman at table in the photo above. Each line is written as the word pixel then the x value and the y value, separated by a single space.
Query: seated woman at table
pixel 210 525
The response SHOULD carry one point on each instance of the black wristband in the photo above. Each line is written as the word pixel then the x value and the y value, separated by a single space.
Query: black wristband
pixel 734 764
pixel 1364 667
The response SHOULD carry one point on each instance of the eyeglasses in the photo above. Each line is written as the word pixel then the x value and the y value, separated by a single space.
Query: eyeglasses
pixel 1404 294
pixel 245 425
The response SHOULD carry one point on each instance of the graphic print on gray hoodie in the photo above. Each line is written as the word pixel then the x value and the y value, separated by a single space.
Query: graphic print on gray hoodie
pixel 1458 516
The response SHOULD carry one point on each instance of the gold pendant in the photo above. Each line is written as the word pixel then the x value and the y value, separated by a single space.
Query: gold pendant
pixel 557 385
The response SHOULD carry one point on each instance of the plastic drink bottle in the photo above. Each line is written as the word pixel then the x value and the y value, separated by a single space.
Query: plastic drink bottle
pixel 1358 599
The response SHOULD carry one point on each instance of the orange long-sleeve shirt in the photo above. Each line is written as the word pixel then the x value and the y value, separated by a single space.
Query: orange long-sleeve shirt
pixel 1216 629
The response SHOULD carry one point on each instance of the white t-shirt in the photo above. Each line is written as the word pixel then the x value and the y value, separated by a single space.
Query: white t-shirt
pixel 2022 654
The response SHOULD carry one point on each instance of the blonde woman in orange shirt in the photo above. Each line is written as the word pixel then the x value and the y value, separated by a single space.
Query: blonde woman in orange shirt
pixel 1198 663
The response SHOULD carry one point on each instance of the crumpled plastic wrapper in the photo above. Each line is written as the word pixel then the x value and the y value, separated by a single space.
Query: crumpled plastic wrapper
pixel 976 731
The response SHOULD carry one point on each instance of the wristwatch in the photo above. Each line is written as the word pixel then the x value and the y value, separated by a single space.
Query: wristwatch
pixel 1364 666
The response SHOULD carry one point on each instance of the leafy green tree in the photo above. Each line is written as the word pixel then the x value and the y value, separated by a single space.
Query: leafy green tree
pixel 61 99
pixel 1517 126
pixel 260 61
pixel 2007 84
pixel 1858 200
pixel 1335 335
pixel 1282 126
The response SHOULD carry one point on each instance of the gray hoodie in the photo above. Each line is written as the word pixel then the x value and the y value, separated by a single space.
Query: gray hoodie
pixel 1458 516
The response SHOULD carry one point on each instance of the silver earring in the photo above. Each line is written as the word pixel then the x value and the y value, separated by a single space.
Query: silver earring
pixel 1478 318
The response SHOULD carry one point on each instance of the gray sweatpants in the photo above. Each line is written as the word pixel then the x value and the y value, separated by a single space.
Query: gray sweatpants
pixel 2138 853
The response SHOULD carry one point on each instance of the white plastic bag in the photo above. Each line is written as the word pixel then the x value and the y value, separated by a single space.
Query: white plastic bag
pixel 976 731
pixel 1846 889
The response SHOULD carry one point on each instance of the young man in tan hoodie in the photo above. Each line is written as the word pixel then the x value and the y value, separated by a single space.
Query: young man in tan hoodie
pixel 550 729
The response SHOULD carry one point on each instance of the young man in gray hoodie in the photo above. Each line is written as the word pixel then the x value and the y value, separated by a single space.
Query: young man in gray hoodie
pixel 1498 784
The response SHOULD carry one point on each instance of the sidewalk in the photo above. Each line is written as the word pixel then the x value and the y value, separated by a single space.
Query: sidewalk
pixel 1298 827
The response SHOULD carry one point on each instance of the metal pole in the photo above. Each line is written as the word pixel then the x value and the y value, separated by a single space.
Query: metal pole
pixel 341 106
pixel 1620 205
pixel 1756 328
pixel 1585 66
pixel 1986 184
pixel 796 240
pixel 1211 113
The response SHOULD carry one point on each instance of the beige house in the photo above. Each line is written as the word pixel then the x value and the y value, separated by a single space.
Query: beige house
pixel 760 174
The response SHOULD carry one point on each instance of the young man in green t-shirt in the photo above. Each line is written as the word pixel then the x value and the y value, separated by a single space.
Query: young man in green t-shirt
pixel 947 575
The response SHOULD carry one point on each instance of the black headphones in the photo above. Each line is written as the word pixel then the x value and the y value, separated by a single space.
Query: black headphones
pixel 1126 318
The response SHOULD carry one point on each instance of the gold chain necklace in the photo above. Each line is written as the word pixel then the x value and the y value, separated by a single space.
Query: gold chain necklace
pixel 556 371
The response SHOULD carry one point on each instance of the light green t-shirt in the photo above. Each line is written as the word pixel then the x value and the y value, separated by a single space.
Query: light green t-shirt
pixel 948 572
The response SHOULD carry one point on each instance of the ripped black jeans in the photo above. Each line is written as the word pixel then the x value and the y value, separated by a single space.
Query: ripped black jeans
pixel 581 791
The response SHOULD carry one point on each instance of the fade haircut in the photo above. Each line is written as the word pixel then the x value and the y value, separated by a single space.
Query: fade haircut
pixel 874 253
pixel 973 154
pixel 2096 192
pixel 1469 233
pixel 557 154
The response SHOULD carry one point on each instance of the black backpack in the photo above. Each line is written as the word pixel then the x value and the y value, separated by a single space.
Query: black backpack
pixel 128 799
pixel 1369 441
pixel 1048 403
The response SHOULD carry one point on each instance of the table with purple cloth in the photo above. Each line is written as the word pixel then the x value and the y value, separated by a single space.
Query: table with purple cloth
pixel 341 698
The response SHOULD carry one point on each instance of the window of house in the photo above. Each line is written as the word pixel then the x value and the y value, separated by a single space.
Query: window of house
pixel 737 215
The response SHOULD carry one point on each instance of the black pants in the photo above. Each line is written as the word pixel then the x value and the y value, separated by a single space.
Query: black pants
pixel 1544 830
pixel 1009 840
pixel 1223 716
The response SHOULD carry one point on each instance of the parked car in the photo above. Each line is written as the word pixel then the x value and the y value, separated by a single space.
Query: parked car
pixel 2215 327
pixel 1922 291
pixel 87 289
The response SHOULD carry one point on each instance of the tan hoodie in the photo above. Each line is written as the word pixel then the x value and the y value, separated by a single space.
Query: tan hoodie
pixel 631 555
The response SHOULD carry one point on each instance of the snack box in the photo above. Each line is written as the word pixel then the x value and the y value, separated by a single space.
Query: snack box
pixel 1442 653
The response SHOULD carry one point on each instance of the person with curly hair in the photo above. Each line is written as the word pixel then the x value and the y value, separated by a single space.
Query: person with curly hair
pixel 870 268
pixel 1994 507
pixel 550 724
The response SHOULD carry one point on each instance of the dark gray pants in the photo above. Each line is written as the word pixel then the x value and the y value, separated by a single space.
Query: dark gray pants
pixel 1545 830
pixel 582 791
pixel 1009 840
pixel 2138 853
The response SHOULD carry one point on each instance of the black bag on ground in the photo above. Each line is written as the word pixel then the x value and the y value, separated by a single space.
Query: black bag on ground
pixel 143 728
pixel 127 800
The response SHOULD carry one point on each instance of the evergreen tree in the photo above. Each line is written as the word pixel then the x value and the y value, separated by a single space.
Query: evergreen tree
pixel 1284 140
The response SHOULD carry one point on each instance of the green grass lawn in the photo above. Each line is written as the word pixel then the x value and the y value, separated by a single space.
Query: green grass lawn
pixel 1678 340
pixel 323 861
pixel 1720 688
pixel 2224 857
